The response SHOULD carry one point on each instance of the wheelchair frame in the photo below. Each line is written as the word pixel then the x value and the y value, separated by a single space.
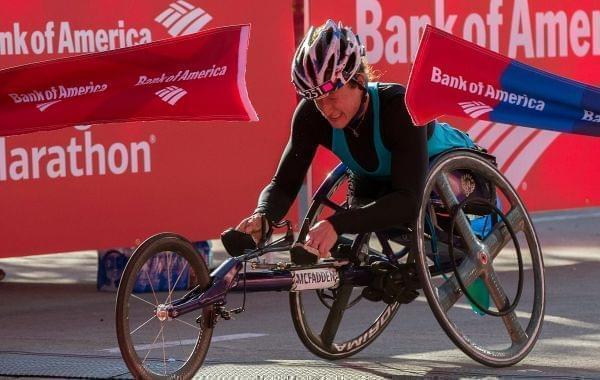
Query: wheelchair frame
pixel 281 277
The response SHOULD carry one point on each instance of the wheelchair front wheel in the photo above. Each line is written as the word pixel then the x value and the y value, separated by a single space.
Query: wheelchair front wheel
pixel 450 179
pixel 161 270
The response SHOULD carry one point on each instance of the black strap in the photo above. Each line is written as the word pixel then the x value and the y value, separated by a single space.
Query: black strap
pixel 358 116
pixel 430 129
pixel 266 230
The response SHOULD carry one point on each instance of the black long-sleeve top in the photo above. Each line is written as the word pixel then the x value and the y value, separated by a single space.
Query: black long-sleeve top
pixel 406 142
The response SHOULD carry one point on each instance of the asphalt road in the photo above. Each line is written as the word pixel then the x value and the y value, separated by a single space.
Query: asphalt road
pixel 55 324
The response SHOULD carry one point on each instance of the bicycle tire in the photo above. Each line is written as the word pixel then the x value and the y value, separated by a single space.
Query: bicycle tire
pixel 164 242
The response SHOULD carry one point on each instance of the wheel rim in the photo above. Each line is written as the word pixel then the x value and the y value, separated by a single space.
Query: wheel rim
pixel 321 326
pixel 443 295
pixel 153 345
pixel 330 341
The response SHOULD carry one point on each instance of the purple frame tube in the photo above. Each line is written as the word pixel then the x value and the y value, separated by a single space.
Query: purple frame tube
pixel 226 277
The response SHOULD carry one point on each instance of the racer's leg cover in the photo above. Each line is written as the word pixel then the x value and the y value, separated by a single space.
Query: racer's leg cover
pixel 480 294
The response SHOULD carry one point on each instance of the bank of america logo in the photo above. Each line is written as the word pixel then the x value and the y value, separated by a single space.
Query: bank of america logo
pixel 183 18
pixel 43 106
pixel 516 148
pixel 171 94
pixel 475 109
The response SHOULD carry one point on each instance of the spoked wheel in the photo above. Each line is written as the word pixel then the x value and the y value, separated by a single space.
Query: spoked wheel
pixel 162 270
pixel 486 250
pixel 322 318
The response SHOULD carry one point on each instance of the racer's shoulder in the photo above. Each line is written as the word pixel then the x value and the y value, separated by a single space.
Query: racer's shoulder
pixel 394 112
pixel 307 113
pixel 390 92
pixel 391 98
pixel 308 123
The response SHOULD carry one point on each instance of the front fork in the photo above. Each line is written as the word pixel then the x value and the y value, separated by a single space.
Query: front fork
pixel 223 278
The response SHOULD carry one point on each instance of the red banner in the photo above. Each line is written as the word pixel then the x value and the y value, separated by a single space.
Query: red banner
pixel 195 77
pixel 103 186
pixel 558 36
pixel 506 91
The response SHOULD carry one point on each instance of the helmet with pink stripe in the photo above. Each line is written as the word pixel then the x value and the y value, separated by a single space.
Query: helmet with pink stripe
pixel 327 58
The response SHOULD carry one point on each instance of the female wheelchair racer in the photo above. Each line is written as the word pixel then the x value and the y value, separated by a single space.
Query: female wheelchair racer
pixel 367 126
pixel 420 208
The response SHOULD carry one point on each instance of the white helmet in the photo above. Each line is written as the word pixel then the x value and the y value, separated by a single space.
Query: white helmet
pixel 328 62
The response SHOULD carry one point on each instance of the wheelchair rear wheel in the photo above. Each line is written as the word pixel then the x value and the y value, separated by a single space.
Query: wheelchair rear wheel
pixel 487 265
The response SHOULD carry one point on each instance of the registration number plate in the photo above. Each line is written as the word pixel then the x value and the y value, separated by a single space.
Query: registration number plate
pixel 316 278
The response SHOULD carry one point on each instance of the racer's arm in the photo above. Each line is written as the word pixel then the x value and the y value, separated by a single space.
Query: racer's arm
pixel 409 165
pixel 277 197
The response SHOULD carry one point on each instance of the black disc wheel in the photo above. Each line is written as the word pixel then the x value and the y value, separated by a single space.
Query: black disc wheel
pixel 161 270
pixel 479 260
pixel 338 323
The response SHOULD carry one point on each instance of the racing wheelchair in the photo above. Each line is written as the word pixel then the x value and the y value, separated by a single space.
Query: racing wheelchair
pixel 473 241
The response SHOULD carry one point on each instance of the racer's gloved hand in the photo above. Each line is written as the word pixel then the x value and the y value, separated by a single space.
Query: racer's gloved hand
pixel 257 226
pixel 237 242
pixel 322 237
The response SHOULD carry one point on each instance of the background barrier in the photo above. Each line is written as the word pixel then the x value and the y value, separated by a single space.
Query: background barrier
pixel 195 178
pixel 551 170
pixel 198 178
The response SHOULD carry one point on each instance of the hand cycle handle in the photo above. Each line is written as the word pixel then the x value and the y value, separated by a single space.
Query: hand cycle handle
pixel 303 255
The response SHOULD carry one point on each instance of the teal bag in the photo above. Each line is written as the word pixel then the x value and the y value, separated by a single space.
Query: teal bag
pixel 445 137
